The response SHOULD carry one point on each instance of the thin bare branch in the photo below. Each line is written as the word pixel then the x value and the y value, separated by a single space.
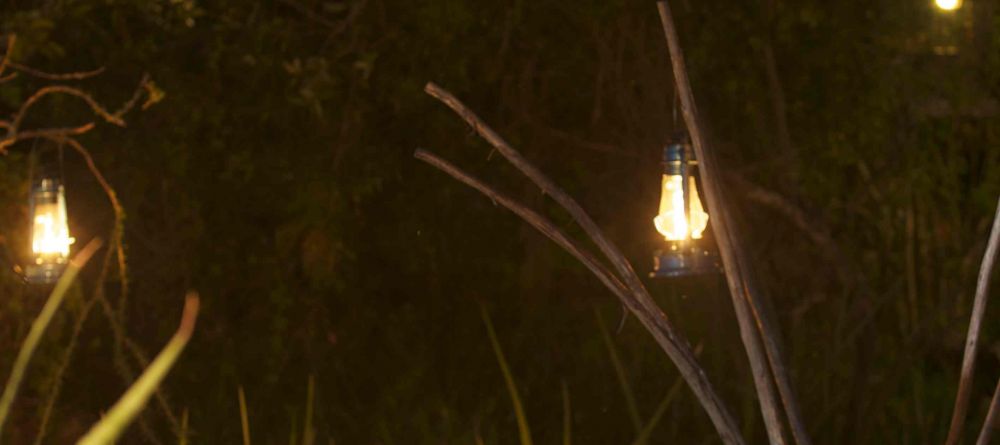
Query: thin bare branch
pixel 816 229
pixel 972 338
pixel 15 134
pixel 63 89
pixel 11 40
pixel 78 75
pixel 991 418
pixel 536 220
pixel 44 133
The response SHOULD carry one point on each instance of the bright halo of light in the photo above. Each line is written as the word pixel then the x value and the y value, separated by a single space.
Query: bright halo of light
pixel 948 5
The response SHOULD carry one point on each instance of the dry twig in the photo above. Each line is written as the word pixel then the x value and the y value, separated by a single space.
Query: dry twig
pixel 972 339
pixel 991 418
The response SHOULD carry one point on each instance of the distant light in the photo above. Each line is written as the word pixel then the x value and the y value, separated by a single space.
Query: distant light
pixel 948 5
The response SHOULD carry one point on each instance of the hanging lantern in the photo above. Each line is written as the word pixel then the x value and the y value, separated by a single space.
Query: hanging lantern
pixel 948 5
pixel 50 238
pixel 682 219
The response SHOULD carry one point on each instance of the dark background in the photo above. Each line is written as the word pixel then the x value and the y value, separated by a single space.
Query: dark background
pixel 276 177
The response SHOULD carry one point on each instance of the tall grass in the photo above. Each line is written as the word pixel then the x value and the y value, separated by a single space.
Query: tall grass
pixel 244 418
pixel 132 402
pixel 38 328
pixel 522 421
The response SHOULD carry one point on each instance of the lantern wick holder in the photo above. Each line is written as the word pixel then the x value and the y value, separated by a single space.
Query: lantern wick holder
pixel 683 257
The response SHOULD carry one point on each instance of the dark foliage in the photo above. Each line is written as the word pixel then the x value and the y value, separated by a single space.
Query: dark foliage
pixel 277 178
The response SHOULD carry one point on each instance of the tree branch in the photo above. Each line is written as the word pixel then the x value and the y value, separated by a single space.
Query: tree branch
pixel 991 418
pixel 536 220
pixel 78 75
pixel 972 339
pixel 11 40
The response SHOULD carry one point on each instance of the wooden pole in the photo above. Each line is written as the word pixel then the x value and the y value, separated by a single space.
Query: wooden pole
pixel 972 338
pixel 756 328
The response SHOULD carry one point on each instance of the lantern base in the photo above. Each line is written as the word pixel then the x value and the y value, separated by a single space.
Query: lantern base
pixel 47 273
pixel 680 261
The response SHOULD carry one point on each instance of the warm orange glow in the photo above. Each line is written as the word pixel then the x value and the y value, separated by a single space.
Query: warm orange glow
pixel 948 5
pixel 671 221
pixel 50 238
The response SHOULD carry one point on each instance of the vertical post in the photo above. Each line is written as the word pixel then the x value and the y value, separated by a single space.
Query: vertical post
pixel 754 323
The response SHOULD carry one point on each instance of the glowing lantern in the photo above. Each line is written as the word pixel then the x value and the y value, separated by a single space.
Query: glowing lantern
pixel 948 5
pixel 682 219
pixel 50 238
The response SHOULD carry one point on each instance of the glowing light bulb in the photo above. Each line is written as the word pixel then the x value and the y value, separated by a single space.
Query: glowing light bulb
pixel 671 221
pixel 948 5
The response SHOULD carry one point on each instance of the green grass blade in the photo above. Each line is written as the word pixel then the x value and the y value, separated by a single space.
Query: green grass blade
pixel 38 328
pixel 309 434
pixel 184 428
pixel 633 408
pixel 567 416
pixel 522 420
pixel 647 431
pixel 244 420
pixel 132 402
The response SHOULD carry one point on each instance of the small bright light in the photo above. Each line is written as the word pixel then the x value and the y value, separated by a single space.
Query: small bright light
pixel 948 5
pixel 50 238
pixel 671 221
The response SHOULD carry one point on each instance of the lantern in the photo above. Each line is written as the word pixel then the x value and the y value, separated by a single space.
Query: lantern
pixel 948 5
pixel 682 219
pixel 50 238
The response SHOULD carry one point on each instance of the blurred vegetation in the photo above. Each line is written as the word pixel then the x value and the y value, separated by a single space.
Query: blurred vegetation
pixel 276 177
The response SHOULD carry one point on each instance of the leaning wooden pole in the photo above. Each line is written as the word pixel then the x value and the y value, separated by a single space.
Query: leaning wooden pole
pixel 756 328
pixel 991 418
pixel 972 338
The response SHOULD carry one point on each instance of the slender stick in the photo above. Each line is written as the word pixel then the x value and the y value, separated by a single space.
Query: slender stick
pixel 745 303
pixel 972 339
pixel 537 221
pixel 652 319
pixel 548 187
pixel 991 418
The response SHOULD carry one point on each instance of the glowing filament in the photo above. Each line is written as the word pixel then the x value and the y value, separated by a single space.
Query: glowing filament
pixel 672 222
pixel 50 238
